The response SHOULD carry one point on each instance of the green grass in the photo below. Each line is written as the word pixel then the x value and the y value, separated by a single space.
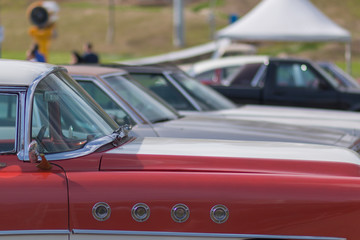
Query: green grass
pixel 144 31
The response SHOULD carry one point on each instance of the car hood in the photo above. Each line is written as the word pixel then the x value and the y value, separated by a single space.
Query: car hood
pixel 171 154
pixel 250 130
pixel 345 120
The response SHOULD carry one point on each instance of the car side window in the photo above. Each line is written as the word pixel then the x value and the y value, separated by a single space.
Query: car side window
pixel 298 75
pixel 109 106
pixel 161 87
pixel 245 74
pixel 8 116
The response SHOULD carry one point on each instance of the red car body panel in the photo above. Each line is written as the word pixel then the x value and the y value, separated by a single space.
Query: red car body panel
pixel 32 198
pixel 262 204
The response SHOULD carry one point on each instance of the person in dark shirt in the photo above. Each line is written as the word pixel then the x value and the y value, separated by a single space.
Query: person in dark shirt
pixel 89 56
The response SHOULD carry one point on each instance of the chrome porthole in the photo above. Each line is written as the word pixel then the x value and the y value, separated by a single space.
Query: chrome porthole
pixel 180 213
pixel 101 211
pixel 219 214
pixel 140 212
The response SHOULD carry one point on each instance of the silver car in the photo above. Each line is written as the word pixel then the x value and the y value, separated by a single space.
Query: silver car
pixel 129 103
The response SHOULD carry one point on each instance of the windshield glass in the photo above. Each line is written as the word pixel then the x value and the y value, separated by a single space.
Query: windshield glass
pixel 64 118
pixel 206 97
pixel 344 79
pixel 141 100
pixel 8 116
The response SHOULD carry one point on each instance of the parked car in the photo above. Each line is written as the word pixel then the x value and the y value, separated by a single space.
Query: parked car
pixel 130 103
pixel 220 70
pixel 97 182
pixel 289 82
pixel 343 78
pixel 190 97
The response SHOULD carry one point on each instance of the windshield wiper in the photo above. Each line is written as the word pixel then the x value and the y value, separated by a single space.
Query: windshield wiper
pixel 162 120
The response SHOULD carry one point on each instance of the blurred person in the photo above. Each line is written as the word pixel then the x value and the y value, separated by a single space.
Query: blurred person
pixel 76 58
pixel 89 56
pixel 34 55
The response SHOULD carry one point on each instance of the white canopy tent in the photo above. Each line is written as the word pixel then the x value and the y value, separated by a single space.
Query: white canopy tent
pixel 287 21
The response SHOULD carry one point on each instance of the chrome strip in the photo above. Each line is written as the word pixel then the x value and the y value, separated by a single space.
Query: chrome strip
pixel 185 234
pixel 22 155
pixel 35 232
pixel 189 98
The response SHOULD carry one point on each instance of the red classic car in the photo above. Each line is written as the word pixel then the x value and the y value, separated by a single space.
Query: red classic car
pixel 93 181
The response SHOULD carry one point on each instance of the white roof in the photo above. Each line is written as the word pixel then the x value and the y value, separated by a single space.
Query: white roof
pixel 21 73
pixel 285 20
pixel 211 64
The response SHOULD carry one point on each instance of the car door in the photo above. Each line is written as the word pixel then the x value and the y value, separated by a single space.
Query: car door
pixel 33 202
pixel 298 84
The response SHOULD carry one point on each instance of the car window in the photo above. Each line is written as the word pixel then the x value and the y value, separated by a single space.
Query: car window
pixel 145 103
pixel 245 74
pixel 8 116
pixel 109 105
pixel 207 98
pixel 158 84
pixel 297 75
pixel 64 118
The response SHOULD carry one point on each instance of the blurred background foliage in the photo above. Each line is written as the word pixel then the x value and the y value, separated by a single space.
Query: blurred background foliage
pixel 144 28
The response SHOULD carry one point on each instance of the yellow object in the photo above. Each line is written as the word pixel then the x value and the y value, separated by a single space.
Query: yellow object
pixel 42 36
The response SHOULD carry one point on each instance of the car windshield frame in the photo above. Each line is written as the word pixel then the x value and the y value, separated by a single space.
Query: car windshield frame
pixel 92 144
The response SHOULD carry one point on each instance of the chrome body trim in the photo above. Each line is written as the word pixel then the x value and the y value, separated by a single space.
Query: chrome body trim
pixel 182 91
pixel 209 235
pixel 144 213
pixel 35 232
pixel 101 216
pixel 184 210
pixel 219 209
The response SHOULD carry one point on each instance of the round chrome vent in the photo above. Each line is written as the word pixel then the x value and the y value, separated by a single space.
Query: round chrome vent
pixel 140 212
pixel 180 213
pixel 101 211
pixel 219 214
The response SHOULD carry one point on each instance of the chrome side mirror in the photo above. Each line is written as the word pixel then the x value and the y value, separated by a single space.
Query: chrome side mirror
pixel 33 152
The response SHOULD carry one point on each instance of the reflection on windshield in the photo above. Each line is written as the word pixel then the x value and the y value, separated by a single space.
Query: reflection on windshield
pixel 64 118
pixel 142 101
pixel 206 97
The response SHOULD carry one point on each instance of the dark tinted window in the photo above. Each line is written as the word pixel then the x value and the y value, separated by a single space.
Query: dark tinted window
pixel 245 74
pixel 158 84
pixel 297 75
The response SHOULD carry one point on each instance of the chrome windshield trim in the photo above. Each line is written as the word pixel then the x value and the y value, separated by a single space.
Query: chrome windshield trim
pixel 22 155
pixel 87 149
pixel 182 91
pixel 35 232
pixel 212 235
